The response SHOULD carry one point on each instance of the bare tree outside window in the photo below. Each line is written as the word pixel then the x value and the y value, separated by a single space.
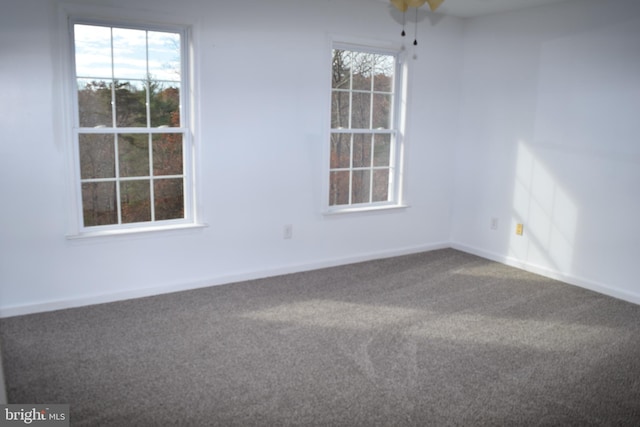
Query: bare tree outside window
pixel 130 134
pixel 362 127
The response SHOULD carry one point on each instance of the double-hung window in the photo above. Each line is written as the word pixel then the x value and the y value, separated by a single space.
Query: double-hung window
pixel 364 160
pixel 131 126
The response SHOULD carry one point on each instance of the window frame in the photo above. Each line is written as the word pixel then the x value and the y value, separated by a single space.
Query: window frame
pixel 395 130
pixel 78 229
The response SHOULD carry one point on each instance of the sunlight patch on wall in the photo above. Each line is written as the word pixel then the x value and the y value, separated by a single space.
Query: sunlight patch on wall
pixel 547 212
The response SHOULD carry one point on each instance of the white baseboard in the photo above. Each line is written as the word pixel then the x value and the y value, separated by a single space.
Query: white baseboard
pixel 550 273
pixel 315 265
pixel 213 281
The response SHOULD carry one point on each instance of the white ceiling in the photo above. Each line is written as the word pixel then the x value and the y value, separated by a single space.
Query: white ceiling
pixel 469 8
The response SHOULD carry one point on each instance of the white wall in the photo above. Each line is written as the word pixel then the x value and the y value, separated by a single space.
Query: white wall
pixel 527 116
pixel 263 92
pixel 550 137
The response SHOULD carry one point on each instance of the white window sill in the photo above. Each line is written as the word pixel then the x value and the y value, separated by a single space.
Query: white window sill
pixel 133 231
pixel 363 209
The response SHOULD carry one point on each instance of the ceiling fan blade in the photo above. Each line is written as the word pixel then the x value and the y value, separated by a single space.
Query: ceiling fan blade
pixel 415 3
pixel 403 5
pixel 434 4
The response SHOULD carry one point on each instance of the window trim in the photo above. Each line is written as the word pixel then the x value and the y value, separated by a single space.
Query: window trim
pixel 73 14
pixel 397 128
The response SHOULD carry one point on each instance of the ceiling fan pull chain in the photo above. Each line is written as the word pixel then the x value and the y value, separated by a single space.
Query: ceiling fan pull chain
pixel 415 37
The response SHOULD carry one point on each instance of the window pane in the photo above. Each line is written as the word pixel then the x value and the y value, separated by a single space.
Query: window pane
pixel 340 150
pixel 94 103
pixel 381 111
pixel 131 104
pixel 382 150
pixel 362 70
pixel 169 199
pixel 164 56
pixel 360 186
pixel 361 111
pixel 129 54
pixel 384 70
pixel 99 205
pixel 339 110
pixel 164 104
pixel 135 201
pixel 339 188
pixel 131 78
pixel 362 150
pixel 363 99
pixel 93 51
pixel 167 154
pixel 133 154
pixel 97 156
pixel 341 69
pixel 381 185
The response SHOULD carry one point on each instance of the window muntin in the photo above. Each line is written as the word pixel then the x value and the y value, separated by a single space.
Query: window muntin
pixel 362 166
pixel 130 128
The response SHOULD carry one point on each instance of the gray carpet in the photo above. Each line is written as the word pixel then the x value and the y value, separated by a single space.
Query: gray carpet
pixel 437 338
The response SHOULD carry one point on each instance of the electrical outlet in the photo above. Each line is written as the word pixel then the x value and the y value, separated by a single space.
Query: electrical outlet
pixel 519 229
pixel 288 231
pixel 494 223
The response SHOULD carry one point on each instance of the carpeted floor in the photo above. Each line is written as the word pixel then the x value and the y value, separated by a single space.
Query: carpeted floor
pixel 437 338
